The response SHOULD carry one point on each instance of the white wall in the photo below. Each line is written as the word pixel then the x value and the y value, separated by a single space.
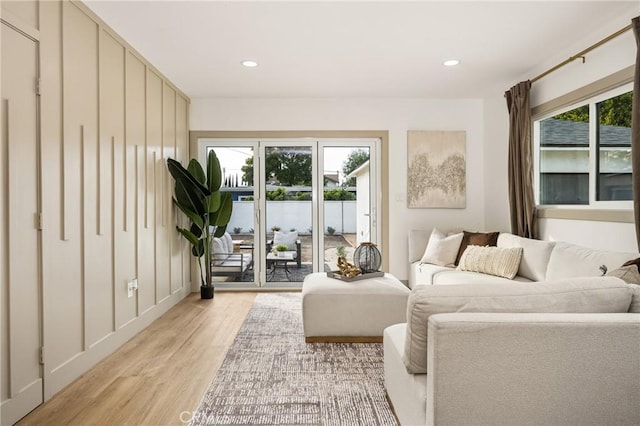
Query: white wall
pixel 395 115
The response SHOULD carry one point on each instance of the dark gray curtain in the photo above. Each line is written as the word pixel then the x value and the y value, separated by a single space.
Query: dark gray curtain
pixel 521 200
pixel 635 131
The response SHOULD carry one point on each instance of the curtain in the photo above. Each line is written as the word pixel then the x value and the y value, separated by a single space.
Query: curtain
pixel 521 202
pixel 635 131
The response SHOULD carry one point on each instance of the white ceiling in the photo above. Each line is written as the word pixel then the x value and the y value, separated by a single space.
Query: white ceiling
pixel 356 49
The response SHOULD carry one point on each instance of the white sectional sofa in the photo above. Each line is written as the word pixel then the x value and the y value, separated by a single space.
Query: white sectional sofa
pixel 541 261
pixel 562 353
pixel 558 344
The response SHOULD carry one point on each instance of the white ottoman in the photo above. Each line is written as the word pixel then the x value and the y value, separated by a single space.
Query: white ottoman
pixel 358 311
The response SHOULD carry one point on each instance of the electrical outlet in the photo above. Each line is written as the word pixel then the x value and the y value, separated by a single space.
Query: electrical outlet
pixel 131 286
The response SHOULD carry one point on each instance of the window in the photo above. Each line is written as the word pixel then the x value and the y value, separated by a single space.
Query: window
pixel 584 152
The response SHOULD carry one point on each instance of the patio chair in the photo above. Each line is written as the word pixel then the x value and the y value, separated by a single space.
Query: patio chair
pixel 290 239
pixel 224 262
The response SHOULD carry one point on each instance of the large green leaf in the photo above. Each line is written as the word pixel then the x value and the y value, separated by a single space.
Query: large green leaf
pixel 214 172
pixel 196 171
pixel 188 235
pixel 193 216
pixel 220 230
pixel 198 249
pixel 223 215
pixel 213 201
pixel 190 198
pixel 180 173
pixel 195 230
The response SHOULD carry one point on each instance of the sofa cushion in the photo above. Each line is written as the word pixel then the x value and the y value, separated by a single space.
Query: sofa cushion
pixel 570 260
pixel 287 238
pixel 454 276
pixel 219 251
pixel 535 255
pixel 498 261
pixel 442 249
pixel 576 295
pixel 476 239
pixel 635 298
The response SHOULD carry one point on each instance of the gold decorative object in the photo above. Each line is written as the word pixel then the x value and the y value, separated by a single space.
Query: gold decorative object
pixel 347 269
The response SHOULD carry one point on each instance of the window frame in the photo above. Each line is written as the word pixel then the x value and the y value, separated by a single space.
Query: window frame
pixel 591 101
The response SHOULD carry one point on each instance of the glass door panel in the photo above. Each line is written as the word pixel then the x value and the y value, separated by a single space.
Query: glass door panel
pixel 346 202
pixel 288 219
pixel 235 264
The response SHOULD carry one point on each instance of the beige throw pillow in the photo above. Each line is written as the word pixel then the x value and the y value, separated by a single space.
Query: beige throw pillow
pixel 498 261
pixel 441 249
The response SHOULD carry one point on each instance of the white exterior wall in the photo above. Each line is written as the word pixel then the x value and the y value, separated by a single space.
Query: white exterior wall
pixel 395 115
pixel 363 207
pixel 341 215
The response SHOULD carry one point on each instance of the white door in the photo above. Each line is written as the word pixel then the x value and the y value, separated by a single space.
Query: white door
pixel 20 302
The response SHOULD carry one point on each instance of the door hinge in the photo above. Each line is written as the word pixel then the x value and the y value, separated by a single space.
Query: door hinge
pixel 41 355
pixel 39 221
pixel 38 82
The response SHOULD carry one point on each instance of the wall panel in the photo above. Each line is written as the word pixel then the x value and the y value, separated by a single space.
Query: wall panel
pixel 105 187
pixel 79 65
pixel 154 143
pixel 182 155
pixel 136 141
pixel 169 149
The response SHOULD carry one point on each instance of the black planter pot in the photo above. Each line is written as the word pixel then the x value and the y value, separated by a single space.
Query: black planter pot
pixel 206 292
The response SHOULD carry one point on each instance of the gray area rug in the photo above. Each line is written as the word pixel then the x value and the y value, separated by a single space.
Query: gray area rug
pixel 270 376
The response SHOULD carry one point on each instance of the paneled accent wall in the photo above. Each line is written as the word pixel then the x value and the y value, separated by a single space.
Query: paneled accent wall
pixel 109 121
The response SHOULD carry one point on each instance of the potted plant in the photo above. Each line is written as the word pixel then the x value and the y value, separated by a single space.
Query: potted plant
pixel 280 247
pixel 198 196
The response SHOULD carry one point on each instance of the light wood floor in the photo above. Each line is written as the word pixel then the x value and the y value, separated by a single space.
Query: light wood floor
pixel 159 374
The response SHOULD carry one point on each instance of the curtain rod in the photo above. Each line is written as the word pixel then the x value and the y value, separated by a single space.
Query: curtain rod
pixel 582 53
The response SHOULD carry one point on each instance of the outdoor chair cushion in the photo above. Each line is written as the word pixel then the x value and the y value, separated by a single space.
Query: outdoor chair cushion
pixel 287 238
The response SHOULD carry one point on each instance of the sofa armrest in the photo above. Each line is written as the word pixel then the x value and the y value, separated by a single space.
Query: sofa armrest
pixel 533 368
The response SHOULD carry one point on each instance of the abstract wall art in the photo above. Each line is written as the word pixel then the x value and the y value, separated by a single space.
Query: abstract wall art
pixel 436 173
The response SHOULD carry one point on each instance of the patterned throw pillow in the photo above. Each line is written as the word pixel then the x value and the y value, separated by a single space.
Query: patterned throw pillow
pixel 498 261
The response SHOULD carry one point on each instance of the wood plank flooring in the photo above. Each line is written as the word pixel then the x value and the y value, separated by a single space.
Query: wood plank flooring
pixel 159 374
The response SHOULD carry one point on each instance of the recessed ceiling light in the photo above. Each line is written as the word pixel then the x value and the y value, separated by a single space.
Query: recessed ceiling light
pixel 250 64
pixel 451 62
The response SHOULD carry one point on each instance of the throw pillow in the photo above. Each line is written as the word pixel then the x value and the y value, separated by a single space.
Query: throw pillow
pixel 476 239
pixel 441 249
pixel 498 261
pixel 287 238
pixel 628 274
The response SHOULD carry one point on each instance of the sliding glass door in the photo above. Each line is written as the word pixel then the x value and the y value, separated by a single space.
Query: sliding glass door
pixel 298 204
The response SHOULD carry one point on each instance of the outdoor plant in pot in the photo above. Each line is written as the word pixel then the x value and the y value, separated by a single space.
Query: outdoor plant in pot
pixel 197 194
pixel 280 247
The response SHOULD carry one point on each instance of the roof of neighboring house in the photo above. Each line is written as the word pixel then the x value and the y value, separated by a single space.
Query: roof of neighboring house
pixel 554 132
pixel 333 177
pixel 364 167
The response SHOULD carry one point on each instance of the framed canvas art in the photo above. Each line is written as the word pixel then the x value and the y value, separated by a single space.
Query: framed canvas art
pixel 436 169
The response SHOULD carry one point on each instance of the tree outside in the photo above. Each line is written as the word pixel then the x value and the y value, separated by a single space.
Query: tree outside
pixel 355 159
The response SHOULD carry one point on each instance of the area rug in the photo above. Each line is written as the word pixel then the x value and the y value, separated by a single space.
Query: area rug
pixel 270 376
